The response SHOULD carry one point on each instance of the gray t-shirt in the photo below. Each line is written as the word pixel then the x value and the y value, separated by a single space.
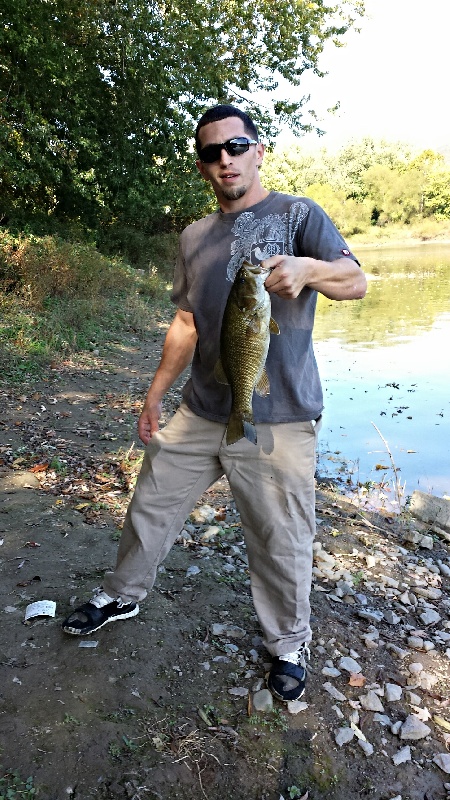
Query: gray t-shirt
pixel 211 252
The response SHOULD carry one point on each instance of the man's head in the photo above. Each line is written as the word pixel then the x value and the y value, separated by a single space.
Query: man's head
pixel 217 113
pixel 230 156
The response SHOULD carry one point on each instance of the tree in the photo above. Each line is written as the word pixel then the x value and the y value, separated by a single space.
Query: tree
pixel 99 100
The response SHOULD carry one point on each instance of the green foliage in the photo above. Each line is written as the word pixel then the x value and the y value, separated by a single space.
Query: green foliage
pixel 99 100
pixel 12 787
pixel 57 297
pixel 365 183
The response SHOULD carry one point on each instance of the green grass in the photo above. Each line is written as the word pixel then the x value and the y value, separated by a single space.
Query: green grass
pixel 58 298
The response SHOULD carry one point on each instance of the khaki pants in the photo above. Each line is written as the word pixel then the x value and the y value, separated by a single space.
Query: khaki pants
pixel 273 487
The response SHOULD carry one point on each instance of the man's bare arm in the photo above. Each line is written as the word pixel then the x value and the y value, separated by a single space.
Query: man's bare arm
pixel 341 279
pixel 177 354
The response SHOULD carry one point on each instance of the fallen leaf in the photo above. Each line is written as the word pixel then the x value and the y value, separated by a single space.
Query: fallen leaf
pixel 356 679
pixel 39 468
pixel 31 544
pixel 381 466
pixel 441 722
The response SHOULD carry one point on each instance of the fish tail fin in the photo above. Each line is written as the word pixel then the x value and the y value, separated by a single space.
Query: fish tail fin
pixel 239 428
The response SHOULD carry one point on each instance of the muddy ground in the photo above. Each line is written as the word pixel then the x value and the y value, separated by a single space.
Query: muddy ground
pixel 146 711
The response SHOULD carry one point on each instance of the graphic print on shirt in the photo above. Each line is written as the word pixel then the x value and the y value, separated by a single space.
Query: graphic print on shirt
pixel 257 239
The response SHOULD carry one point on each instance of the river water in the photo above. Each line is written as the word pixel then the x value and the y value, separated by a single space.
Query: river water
pixel 385 362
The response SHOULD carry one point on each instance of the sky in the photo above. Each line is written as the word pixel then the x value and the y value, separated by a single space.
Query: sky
pixel 392 78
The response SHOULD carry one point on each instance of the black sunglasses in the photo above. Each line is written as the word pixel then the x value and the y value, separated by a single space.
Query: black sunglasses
pixel 234 147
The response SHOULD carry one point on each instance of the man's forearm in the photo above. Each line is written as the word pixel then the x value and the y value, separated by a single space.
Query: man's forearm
pixel 342 279
pixel 177 354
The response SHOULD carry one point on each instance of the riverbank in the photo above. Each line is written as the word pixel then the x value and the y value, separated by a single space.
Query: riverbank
pixel 163 705
pixel 426 232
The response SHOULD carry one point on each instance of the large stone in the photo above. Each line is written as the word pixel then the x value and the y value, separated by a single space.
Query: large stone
pixel 343 736
pixel 430 617
pixel 371 702
pixel 414 729
pixel 233 631
pixel 393 692
pixel 431 509
pixel 443 761
pixel 349 665
pixel 401 756
pixel 262 700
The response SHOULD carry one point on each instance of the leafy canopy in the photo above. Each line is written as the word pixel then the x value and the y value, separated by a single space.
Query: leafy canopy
pixel 99 100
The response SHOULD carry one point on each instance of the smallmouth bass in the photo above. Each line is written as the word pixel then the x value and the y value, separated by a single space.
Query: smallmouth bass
pixel 244 344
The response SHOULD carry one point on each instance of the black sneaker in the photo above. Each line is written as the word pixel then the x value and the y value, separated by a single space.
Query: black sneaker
pixel 98 612
pixel 287 677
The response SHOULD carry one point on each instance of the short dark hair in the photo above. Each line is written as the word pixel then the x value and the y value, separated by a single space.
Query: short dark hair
pixel 216 113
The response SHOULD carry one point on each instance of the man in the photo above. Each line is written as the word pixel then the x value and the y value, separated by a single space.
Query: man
pixel 273 481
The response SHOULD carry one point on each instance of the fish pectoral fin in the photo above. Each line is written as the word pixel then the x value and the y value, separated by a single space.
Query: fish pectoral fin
pixel 273 326
pixel 219 373
pixel 262 387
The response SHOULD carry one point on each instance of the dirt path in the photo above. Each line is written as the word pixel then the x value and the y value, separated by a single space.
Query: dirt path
pixel 160 706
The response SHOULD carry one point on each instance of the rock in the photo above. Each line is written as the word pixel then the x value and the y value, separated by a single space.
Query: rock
pixel 392 618
pixel 401 756
pixel 324 557
pixel 383 719
pixel 210 532
pixel 430 617
pixel 415 641
pixel 262 700
pixel 295 706
pixel 338 712
pixel 331 672
pixel 430 592
pixel 429 508
pixel 238 691
pixel 427 681
pixel 192 571
pixel 366 747
pixel 392 692
pixel 443 761
pixel 414 729
pixel 343 736
pixel 397 651
pixel 415 668
pixel 349 665
pixel 371 702
pixel 404 598
pixel 395 727
pixel 203 514
pixel 233 631
pixel 370 613
pixel 335 693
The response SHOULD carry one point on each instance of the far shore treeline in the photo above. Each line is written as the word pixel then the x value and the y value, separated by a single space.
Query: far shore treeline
pixel 98 105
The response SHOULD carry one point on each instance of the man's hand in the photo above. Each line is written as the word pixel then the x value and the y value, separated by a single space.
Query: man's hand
pixel 341 279
pixel 288 276
pixel 148 423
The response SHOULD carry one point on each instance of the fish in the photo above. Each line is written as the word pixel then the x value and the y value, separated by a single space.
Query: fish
pixel 244 343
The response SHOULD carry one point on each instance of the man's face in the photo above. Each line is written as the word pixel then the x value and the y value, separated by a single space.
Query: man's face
pixel 232 177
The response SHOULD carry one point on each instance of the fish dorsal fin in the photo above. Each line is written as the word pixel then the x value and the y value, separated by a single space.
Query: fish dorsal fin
pixel 273 326
pixel 262 387
pixel 219 373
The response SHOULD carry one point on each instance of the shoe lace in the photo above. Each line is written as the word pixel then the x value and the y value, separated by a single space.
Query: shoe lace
pixel 300 656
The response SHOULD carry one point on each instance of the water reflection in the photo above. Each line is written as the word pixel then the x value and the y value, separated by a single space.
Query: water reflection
pixel 407 289
pixel 384 360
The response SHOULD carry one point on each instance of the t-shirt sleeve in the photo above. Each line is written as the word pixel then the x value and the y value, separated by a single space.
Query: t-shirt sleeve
pixel 179 294
pixel 318 237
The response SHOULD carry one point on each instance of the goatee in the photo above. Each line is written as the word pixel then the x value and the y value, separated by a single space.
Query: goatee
pixel 234 194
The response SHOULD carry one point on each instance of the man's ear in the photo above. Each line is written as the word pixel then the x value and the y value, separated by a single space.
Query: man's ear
pixel 201 169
